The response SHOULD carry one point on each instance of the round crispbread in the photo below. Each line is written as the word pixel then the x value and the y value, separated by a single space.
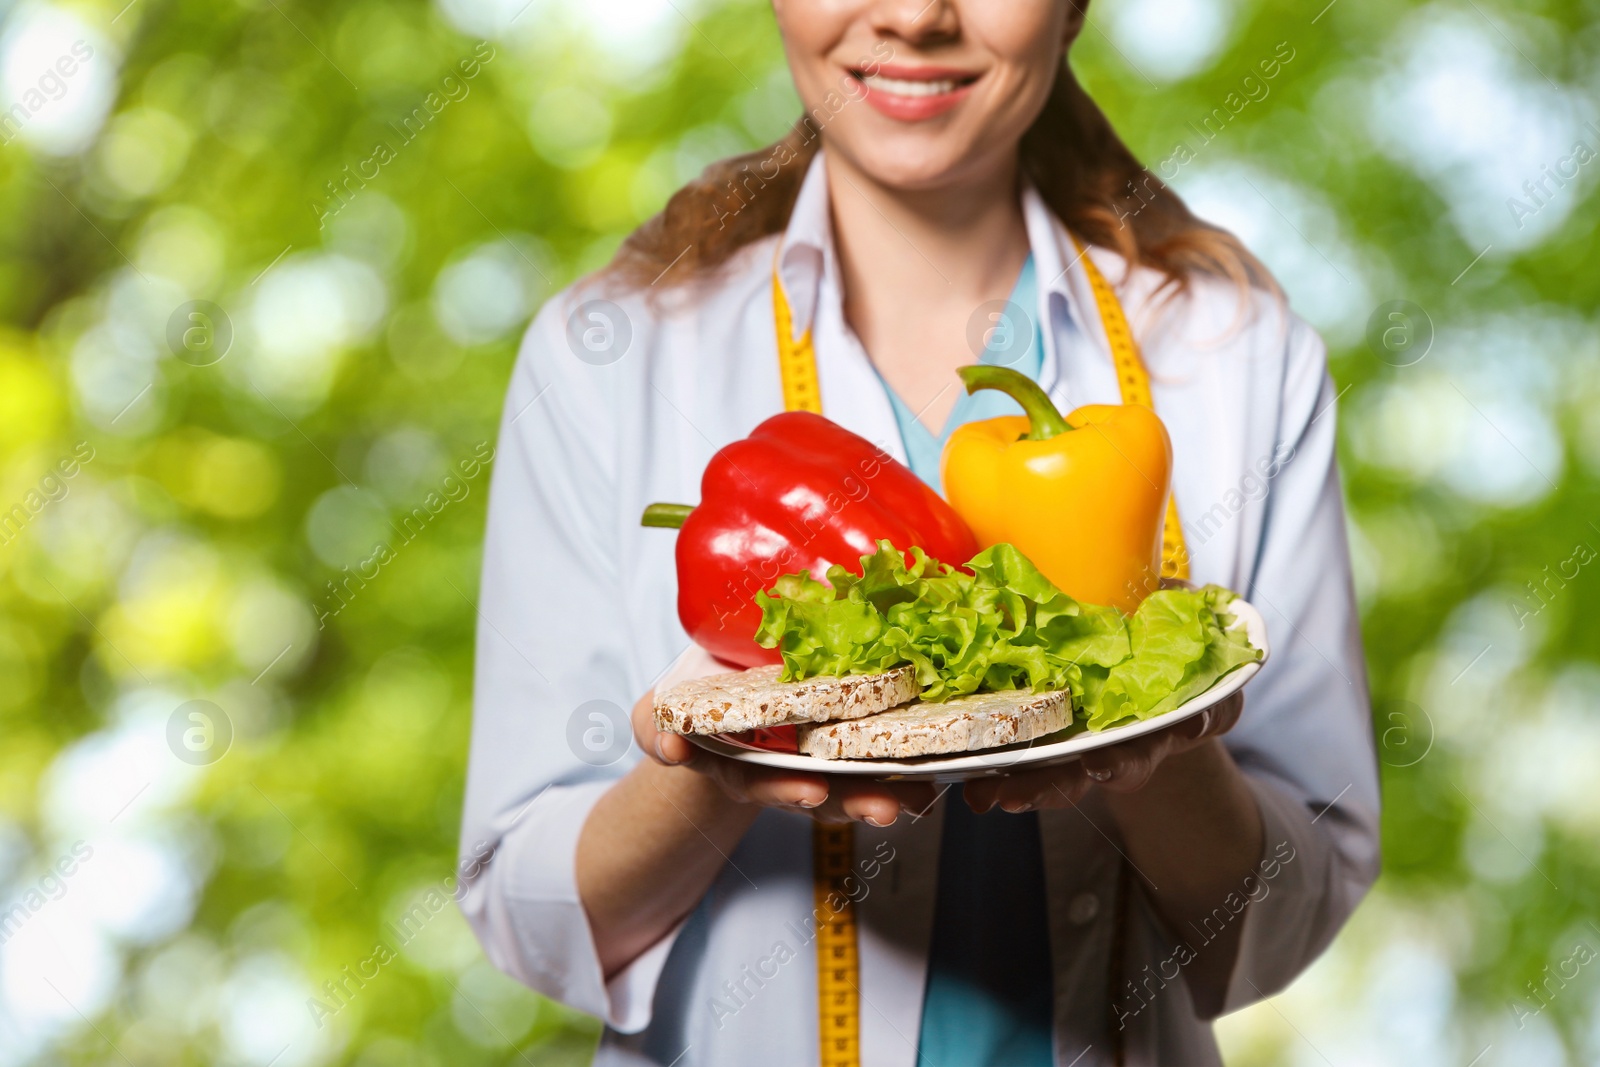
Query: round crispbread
pixel 755 698
pixel 962 724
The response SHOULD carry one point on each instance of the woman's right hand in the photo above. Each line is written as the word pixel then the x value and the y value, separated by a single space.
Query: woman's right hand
pixel 826 798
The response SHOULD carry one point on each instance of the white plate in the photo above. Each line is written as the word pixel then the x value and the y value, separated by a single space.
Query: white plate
pixel 1060 747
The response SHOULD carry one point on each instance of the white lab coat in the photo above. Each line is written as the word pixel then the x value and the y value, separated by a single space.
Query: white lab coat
pixel 578 605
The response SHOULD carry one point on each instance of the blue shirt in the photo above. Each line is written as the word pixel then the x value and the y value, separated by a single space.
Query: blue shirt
pixel 1015 339
pixel 988 1001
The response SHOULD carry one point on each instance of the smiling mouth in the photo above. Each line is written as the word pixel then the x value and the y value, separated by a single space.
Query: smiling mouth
pixel 882 83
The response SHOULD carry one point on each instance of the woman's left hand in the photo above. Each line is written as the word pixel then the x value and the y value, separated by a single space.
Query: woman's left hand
pixel 1122 768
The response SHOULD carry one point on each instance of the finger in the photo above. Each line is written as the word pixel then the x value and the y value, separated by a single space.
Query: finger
pixel 1116 765
pixel 800 792
pixel 661 747
pixel 1198 728
pixel 642 716
pixel 1104 764
pixel 1225 715
pixel 1063 790
pixel 1050 787
pixel 870 803
pixel 770 789
pixel 981 794
pixel 1212 722
pixel 916 798
pixel 1128 766
pixel 1133 774
pixel 1069 787
pixel 675 750
pixel 1017 795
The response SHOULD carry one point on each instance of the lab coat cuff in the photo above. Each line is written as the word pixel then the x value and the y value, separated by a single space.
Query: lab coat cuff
pixel 543 911
pixel 1293 909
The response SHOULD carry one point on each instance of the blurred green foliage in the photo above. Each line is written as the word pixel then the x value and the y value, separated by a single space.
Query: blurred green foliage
pixel 373 326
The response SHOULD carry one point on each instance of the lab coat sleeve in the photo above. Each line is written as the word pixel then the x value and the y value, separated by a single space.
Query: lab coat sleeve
pixel 1305 740
pixel 550 728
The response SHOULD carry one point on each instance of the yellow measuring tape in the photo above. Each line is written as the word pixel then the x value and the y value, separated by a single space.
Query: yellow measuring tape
pixel 838 964
pixel 832 847
pixel 1133 382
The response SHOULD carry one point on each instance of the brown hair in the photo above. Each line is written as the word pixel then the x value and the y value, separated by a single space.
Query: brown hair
pixel 1081 168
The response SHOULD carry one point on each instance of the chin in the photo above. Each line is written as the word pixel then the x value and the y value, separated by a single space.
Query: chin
pixel 910 161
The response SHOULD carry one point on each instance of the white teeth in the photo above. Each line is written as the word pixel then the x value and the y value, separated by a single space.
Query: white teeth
pixel 878 83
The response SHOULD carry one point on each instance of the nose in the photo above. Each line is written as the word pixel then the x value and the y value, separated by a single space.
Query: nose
pixel 917 21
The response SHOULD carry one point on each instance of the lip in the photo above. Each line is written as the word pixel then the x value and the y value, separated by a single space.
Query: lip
pixel 907 108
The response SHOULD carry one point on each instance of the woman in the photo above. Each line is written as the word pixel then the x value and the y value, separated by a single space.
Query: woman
pixel 1100 912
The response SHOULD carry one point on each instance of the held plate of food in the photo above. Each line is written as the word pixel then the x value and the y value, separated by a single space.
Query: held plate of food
pixel 885 631
pixel 1097 678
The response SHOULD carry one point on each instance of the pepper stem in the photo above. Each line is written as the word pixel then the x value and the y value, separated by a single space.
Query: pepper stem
pixel 1044 421
pixel 666 516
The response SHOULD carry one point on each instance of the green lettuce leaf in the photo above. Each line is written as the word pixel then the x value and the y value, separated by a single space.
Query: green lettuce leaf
pixel 1003 626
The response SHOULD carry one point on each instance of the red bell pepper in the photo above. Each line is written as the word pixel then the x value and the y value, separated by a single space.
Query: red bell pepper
pixel 800 493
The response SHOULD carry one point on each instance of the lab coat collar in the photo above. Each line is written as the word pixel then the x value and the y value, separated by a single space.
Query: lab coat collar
pixel 807 253
pixel 1064 292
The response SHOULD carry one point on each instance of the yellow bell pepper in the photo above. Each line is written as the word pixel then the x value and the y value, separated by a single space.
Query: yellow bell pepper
pixel 1083 497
